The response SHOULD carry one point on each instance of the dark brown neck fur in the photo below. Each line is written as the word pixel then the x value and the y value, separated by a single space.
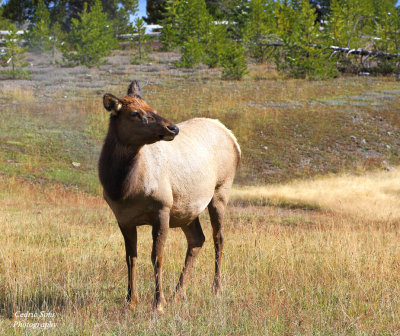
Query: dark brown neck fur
pixel 115 163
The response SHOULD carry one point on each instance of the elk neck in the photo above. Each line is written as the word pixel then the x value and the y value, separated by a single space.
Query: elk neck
pixel 116 163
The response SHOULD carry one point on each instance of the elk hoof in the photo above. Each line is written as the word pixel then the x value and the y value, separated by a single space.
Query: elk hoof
pixel 179 296
pixel 159 310
pixel 158 306
pixel 217 289
pixel 131 302
pixel 131 306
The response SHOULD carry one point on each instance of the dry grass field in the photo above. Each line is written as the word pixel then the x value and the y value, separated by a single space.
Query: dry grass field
pixel 312 232
pixel 286 272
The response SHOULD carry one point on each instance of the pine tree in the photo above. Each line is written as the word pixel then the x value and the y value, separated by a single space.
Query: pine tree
pixel 91 37
pixel 63 11
pixel 56 40
pixel 352 22
pixel 238 12
pixel 304 54
pixel 170 22
pixel 14 55
pixel 195 20
pixel 233 62
pixel 388 26
pixel 216 43
pixel 259 25
pixel 120 14
pixel 189 26
pixel 139 39
pixel 39 31
pixel 4 22
pixel 155 10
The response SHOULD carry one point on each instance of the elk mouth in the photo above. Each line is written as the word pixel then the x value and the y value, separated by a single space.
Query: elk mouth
pixel 172 130
pixel 167 137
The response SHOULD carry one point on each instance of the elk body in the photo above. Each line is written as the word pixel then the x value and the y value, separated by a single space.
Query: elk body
pixel 153 176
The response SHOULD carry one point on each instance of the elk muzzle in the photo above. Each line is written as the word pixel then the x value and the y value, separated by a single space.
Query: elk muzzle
pixel 172 130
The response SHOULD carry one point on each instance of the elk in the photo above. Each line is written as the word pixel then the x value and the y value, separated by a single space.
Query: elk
pixel 164 175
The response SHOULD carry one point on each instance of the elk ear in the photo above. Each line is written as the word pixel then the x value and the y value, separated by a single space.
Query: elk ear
pixel 112 103
pixel 134 90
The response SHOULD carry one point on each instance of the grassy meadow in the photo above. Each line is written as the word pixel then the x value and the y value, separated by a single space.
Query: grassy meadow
pixel 311 234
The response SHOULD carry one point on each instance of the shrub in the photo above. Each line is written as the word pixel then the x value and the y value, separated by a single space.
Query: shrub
pixel 14 55
pixel 233 62
pixel 192 53
pixel 303 54
pixel 259 25
pixel 39 36
pixel 215 44
pixel 139 39
pixel 91 37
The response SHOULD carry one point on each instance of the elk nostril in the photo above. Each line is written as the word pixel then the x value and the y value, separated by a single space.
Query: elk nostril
pixel 173 128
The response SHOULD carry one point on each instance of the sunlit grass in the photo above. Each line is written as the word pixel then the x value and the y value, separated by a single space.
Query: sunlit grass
pixel 333 270
pixel 18 94
pixel 286 131
pixel 285 271
pixel 373 196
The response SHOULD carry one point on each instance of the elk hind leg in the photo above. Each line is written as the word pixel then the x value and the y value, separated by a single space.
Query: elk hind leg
pixel 216 209
pixel 195 238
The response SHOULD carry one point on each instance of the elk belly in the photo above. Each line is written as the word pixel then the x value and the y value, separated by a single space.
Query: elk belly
pixel 183 213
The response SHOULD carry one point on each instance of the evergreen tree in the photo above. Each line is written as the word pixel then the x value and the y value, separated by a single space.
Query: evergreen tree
pixel 304 54
pixel 259 25
pixel 18 10
pixel 4 22
pixel 233 62
pixel 39 31
pixel 139 39
pixel 171 22
pixel 238 16
pixel 120 14
pixel 215 45
pixel 63 11
pixel 155 10
pixel 91 37
pixel 388 26
pixel 56 40
pixel 352 22
pixel 189 26
pixel 14 55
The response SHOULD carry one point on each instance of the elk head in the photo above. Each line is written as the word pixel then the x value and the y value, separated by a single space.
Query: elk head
pixel 134 121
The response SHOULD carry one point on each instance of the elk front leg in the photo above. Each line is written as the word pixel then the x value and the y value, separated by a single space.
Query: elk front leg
pixel 160 231
pixel 130 237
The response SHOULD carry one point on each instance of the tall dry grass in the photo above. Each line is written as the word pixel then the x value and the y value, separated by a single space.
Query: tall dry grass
pixel 18 94
pixel 286 272
pixel 374 196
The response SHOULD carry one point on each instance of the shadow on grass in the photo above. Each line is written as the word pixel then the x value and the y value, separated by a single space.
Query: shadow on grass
pixel 37 302
pixel 280 204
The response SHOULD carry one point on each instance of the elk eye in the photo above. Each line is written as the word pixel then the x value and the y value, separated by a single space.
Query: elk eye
pixel 134 114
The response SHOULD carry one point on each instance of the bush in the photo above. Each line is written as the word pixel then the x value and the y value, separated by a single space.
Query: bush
pixel 215 45
pixel 300 61
pixel 192 53
pixel 139 39
pixel 233 62
pixel 91 37
pixel 303 54
pixel 258 27
pixel 39 31
pixel 14 55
